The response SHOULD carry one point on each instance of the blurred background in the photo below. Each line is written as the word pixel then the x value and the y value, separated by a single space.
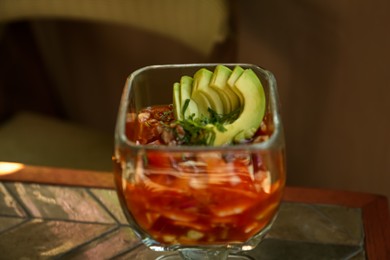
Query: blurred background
pixel 63 65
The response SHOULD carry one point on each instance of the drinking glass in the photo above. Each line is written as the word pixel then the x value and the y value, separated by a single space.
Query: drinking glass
pixel 198 202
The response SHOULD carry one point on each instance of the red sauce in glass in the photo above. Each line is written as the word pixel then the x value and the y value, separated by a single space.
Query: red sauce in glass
pixel 191 201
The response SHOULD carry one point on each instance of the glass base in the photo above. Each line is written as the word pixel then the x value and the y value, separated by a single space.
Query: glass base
pixel 145 253
pixel 200 255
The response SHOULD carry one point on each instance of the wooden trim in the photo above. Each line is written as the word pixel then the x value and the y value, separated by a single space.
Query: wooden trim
pixel 61 176
pixel 376 221
pixel 375 214
pixel 328 196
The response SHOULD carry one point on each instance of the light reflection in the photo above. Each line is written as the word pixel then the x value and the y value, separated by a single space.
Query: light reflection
pixel 247 247
pixel 10 167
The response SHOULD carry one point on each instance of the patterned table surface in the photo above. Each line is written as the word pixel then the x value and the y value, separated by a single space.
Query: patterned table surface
pixel 46 221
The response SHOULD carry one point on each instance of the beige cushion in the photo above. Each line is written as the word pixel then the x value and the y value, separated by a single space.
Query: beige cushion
pixel 40 140
pixel 78 41
pixel 199 24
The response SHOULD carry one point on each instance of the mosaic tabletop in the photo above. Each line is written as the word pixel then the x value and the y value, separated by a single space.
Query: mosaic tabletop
pixel 63 222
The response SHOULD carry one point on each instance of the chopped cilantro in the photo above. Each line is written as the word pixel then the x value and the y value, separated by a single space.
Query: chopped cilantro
pixel 200 130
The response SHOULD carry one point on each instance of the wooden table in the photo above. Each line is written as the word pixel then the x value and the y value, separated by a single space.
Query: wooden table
pixel 35 199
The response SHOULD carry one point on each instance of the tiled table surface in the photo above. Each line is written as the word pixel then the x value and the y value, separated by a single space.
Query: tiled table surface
pixel 39 221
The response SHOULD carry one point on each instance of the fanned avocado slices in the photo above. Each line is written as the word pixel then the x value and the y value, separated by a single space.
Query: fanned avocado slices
pixel 219 83
pixel 229 104
pixel 201 89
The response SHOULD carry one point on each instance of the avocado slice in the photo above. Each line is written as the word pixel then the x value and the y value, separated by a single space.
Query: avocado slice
pixel 203 103
pixel 236 73
pixel 185 93
pixel 245 126
pixel 219 82
pixel 176 101
pixel 201 91
pixel 186 88
pixel 182 92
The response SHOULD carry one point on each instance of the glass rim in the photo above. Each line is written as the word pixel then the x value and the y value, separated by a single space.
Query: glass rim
pixel 120 133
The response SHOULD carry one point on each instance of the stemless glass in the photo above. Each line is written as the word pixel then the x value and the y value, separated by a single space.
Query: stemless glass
pixel 203 202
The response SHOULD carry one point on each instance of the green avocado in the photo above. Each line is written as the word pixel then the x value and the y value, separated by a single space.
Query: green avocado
pixel 240 87
pixel 251 90
pixel 185 93
pixel 176 101
pixel 203 103
pixel 219 82
pixel 236 73
pixel 186 88
pixel 201 91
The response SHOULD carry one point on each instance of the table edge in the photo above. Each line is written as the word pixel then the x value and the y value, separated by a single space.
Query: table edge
pixel 375 208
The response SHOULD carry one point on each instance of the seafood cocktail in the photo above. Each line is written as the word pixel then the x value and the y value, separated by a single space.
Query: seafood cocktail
pixel 199 157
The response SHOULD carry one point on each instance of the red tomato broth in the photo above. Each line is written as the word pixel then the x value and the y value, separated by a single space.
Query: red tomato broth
pixel 218 214
pixel 200 200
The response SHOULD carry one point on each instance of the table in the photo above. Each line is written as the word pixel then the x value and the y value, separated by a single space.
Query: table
pixel 48 213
